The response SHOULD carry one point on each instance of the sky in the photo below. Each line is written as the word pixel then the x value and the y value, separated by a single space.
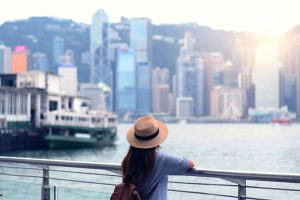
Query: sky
pixel 272 16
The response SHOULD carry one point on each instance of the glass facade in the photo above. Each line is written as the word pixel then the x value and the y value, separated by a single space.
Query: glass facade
pixel 144 88
pixel 100 70
pixel 140 39
pixel 126 82
pixel 58 51
pixel 140 42
pixel 40 62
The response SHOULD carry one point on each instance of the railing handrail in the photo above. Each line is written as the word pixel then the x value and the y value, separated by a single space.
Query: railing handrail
pixel 213 173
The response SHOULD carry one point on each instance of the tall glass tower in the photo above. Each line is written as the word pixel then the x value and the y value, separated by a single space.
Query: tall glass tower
pixel 126 84
pixel 58 51
pixel 140 42
pixel 100 70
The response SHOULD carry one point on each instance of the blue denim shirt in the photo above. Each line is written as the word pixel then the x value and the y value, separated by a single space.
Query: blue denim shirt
pixel 164 165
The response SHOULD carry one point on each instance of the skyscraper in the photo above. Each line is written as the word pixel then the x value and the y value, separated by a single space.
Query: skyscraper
pixel 190 76
pixel 161 95
pixel 5 59
pixel 143 77
pixel 40 62
pixel 20 60
pixel 100 70
pixel 126 82
pixel 58 49
pixel 214 65
pixel 242 58
pixel 290 75
pixel 140 39
pixel 266 71
pixel 140 42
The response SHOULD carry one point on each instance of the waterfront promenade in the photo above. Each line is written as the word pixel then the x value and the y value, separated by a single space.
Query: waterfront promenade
pixel 236 180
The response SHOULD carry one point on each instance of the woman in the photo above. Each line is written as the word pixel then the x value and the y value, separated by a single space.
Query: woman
pixel 144 165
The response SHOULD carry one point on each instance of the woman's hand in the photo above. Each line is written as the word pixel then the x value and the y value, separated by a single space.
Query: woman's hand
pixel 191 164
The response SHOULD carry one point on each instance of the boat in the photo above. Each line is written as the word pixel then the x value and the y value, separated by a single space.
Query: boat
pixel 283 121
pixel 67 129
pixel 271 115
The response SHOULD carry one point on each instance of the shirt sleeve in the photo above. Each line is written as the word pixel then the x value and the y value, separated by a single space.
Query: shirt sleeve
pixel 174 165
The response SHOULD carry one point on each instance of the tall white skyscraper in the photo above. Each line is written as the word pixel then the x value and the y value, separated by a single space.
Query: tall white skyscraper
pixel 5 59
pixel 100 70
pixel 266 76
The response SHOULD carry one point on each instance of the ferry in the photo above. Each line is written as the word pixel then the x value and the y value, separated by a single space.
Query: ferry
pixel 66 129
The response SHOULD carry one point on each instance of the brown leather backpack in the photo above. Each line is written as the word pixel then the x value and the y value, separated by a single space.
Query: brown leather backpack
pixel 125 192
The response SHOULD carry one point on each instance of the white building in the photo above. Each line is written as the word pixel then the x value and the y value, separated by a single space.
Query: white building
pixel 69 83
pixel 26 98
pixel 266 76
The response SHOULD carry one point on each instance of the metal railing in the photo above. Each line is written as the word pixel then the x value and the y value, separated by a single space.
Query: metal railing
pixel 237 179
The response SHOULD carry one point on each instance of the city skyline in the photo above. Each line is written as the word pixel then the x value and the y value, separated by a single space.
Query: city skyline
pixel 254 16
pixel 203 82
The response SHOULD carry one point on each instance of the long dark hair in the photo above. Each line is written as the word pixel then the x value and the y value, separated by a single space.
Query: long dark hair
pixel 138 164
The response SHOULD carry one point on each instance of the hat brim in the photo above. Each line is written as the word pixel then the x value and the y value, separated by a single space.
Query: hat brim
pixel 160 138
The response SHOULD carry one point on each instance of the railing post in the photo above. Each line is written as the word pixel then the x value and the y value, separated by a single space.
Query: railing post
pixel 45 187
pixel 242 190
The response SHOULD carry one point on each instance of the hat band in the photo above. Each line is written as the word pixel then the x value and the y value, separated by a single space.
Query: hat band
pixel 149 137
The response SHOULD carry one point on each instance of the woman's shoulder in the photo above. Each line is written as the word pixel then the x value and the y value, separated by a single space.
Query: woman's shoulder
pixel 163 156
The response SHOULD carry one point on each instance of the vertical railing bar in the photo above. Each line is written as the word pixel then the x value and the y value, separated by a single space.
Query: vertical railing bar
pixel 54 192
pixel 45 194
pixel 242 190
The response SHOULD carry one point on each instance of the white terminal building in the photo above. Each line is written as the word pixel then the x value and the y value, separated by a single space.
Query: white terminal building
pixel 26 98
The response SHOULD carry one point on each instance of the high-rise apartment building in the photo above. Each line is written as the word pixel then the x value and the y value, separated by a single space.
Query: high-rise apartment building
pixel 100 69
pixel 266 71
pixel 5 59
pixel 20 60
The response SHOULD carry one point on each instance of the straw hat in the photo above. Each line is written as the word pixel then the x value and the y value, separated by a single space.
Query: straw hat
pixel 147 133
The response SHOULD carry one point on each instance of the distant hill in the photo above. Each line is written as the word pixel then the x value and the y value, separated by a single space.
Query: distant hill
pixel 207 40
pixel 37 34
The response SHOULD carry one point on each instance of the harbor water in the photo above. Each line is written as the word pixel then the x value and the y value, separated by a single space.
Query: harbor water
pixel 243 147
